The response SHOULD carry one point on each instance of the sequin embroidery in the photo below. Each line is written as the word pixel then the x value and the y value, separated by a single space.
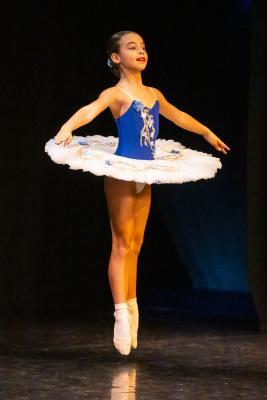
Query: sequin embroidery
pixel 148 131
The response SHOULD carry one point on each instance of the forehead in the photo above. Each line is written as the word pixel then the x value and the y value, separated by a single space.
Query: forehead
pixel 131 37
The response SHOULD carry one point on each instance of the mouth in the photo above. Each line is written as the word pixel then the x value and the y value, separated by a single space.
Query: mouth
pixel 141 59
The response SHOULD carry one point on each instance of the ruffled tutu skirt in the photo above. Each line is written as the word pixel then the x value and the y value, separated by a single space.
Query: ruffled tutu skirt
pixel 173 162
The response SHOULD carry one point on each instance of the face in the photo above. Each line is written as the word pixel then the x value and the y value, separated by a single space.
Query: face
pixel 132 53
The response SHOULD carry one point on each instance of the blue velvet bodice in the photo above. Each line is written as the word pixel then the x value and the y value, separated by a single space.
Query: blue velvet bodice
pixel 138 130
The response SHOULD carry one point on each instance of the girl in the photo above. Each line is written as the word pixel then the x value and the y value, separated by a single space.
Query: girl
pixel 138 161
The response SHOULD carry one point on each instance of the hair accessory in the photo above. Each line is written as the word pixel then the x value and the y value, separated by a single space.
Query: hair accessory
pixel 109 62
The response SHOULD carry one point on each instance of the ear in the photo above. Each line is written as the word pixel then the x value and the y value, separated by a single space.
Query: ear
pixel 115 58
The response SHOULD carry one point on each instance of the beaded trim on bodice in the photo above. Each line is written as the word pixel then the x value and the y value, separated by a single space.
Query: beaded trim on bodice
pixel 148 130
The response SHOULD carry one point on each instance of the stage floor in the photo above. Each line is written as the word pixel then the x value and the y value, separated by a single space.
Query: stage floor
pixel 71 356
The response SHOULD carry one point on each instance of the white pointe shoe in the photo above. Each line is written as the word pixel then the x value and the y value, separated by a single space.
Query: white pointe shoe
pixel 132 305
pixel 134 329
pixel 123 342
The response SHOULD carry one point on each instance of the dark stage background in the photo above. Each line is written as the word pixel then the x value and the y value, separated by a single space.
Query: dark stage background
pixel 56 238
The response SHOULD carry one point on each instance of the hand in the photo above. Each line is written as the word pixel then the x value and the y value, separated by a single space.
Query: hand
pixel 216 142
pixel 63 136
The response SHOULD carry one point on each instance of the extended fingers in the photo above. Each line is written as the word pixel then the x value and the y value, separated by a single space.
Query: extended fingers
pixel 225 145
pixel 222 147
pixel 57 140
pixel 68 141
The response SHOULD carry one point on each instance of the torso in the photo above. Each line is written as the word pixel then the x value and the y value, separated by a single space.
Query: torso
pixel 138 125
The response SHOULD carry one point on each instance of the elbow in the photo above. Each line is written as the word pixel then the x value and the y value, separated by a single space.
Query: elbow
pixel 93 109
pixel 180 118
pixel 87 113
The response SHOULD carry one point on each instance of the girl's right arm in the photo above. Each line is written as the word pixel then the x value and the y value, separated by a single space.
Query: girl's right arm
pixel 85 115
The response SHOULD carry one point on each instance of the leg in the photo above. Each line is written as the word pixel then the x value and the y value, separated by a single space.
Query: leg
pixel 141 212
pixel 121 199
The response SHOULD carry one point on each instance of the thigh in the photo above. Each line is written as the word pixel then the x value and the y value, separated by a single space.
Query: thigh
pixel 121 198
pixel 141 211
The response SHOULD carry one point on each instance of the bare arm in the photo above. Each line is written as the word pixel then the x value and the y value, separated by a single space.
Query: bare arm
pixel 85 115
pixel 189 123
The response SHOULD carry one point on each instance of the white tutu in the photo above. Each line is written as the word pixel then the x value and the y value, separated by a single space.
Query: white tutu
pixel 173 162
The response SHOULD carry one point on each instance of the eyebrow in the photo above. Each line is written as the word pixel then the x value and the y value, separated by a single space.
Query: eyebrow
pixel 134 43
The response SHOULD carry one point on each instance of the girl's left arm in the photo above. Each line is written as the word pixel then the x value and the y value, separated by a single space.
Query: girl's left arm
pixel 189 123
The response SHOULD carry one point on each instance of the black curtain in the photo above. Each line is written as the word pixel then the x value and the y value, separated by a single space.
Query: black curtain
pixel 257 163
pixel 55 237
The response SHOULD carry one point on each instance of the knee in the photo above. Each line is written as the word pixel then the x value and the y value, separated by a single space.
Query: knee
pixel 121 246
pixel 136 244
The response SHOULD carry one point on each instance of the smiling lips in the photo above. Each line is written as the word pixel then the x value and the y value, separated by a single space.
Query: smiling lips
pixel 141 59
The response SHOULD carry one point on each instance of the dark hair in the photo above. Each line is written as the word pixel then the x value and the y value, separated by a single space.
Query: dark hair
pixel 114 47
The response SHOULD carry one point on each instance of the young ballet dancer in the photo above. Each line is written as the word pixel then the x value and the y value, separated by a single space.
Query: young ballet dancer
pixel 130 170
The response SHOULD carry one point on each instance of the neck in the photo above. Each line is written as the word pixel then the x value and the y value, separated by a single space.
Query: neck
pixel 130 78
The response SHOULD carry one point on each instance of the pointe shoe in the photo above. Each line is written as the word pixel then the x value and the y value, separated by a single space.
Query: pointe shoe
pixel 133 335
pixel 122 345
pixel 134 315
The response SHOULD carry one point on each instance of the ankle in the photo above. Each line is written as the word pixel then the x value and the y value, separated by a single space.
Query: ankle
pixel 132 303
pixel 120 306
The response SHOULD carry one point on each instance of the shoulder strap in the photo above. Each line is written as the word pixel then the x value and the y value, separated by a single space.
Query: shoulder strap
pixel 153 91
pixel 125 91
pixel 131 97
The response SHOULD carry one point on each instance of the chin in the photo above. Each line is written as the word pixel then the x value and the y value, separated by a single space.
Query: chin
pixel 138 68
pixel 141 68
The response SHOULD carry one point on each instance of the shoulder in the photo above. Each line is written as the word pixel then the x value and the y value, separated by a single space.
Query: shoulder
pixel 160 96
pixel 111 93
pixel 109 96
pixel 158 93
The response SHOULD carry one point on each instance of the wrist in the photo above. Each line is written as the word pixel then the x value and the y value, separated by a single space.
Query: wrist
pixel 66 127
pixel 206 132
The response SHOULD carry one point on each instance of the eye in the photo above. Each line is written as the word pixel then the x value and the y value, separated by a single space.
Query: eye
pixel 134 48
